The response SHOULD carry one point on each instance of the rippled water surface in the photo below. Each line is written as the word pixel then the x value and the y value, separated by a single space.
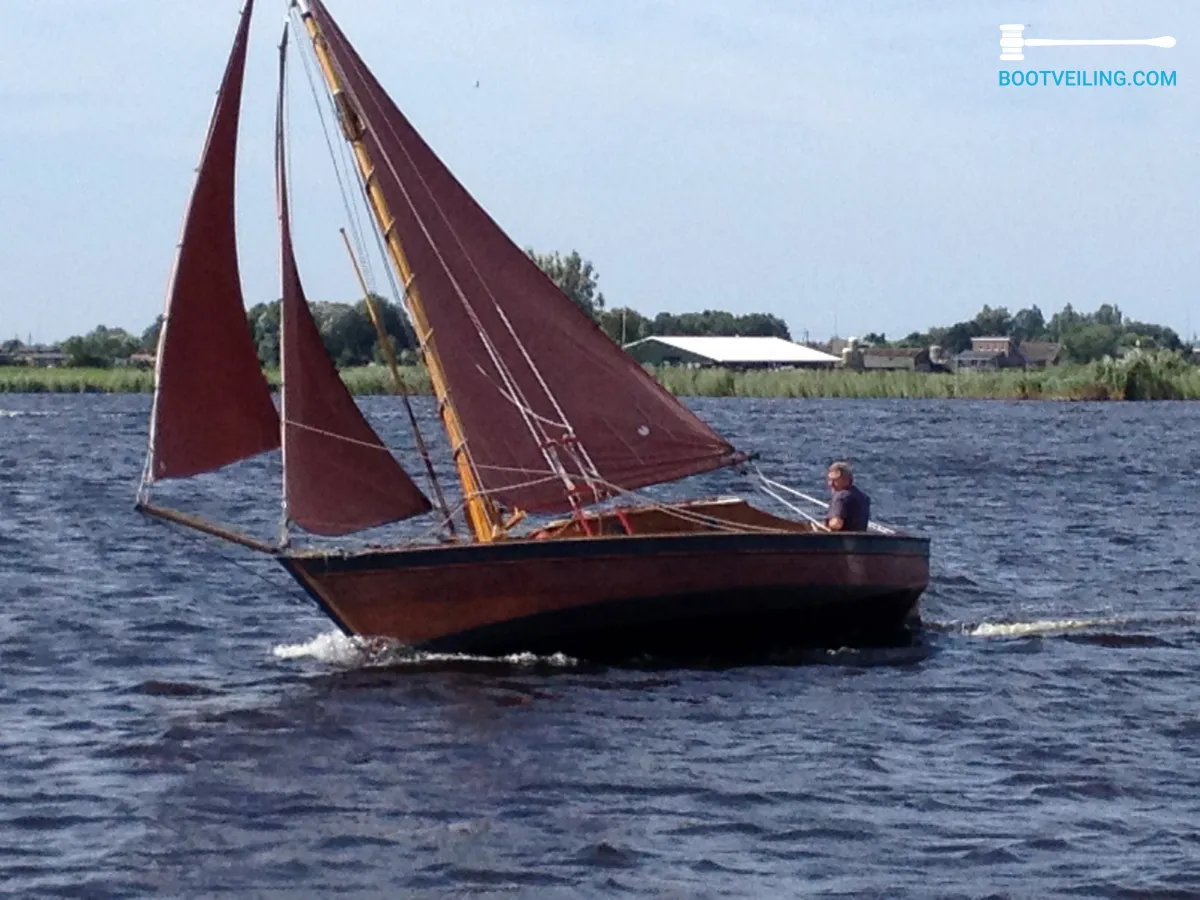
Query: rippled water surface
pixel 180 721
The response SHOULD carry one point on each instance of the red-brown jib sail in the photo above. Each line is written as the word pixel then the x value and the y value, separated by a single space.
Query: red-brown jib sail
pixel 505 334
pixel 339 477
pixel 212 405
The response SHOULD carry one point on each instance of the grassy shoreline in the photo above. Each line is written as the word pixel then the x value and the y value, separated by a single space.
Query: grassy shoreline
pixel 1146 377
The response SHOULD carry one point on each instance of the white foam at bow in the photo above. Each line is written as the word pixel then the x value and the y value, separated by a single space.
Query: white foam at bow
pixel 332 647
pixel 336 648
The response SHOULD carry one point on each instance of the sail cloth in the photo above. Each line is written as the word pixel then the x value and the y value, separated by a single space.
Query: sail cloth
pixel 339 477
pixel 554 368
pixel 212 405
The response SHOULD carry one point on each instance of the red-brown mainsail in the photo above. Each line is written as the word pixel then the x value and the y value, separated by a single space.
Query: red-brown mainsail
pixel 212 405
pixel 502 330
pixel 339 477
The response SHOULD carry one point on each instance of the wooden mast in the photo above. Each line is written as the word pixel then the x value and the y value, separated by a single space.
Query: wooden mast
pixel 482 514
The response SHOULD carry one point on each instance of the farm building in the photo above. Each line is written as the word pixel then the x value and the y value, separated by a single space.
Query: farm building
pixel 728 352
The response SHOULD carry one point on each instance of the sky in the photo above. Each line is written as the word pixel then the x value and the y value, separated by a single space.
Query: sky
pixel 849 167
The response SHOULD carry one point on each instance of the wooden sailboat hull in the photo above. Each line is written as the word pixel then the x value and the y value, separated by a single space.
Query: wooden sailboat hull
pixel 618 597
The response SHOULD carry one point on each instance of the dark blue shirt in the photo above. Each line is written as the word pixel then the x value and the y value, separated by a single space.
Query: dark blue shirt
pixel 852 506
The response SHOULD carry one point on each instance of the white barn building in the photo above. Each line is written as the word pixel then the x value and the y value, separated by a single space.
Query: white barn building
pixel 730 352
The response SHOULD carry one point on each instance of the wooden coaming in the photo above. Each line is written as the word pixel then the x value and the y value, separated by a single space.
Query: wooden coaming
pixel 697 516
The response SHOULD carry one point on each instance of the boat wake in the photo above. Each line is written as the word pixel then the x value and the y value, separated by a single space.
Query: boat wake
pixel 350 652
pixel 1116 631
pixel 1038 626
pixel 353 653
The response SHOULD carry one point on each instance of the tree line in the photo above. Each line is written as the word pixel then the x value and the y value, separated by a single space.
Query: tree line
pixel 346 329
pixel 1085 337
pixel 578 280
pixel 350 336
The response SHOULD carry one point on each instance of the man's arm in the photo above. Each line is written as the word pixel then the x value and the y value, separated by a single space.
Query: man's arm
pixel 835 517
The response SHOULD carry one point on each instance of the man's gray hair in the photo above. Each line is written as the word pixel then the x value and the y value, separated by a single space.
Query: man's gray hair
pixel 842 468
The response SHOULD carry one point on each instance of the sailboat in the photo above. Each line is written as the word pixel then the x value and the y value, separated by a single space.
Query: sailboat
pixel 552 429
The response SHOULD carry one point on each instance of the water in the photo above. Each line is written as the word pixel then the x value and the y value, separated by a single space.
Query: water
pixel 180 721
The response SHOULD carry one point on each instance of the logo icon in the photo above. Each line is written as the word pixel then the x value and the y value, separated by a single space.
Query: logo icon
pixel 1012 43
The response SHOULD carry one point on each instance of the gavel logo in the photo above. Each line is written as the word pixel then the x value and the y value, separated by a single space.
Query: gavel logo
pixel 1012 43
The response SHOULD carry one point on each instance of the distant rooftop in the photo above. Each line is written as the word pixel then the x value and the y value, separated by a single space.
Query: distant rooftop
pixel 1040 351
pixel 742 349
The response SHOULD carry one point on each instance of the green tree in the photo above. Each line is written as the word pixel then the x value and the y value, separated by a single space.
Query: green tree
pixel 665 323
pixel 625 325
pixel 263 320
pixel 149 342
pixel 956 338
pixel 709 322
pixel 575 276
pixel 1087 343
pixel 395 326
pixel 762 325
pixel 1028 324
pixel 347 332
pixel 100 348
pixel 990 321
pixel 1109 315
pixel 718 322
pixel 1153 336
pixel 1063 322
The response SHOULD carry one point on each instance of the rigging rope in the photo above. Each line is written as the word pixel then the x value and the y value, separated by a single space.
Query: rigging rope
pixel 872 526
pixel 679 512
pixel 339 161
pixel 339 437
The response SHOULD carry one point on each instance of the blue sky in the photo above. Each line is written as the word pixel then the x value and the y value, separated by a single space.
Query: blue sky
pixel 852 164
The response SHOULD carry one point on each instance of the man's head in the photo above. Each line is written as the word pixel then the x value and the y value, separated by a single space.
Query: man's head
pixel 839 476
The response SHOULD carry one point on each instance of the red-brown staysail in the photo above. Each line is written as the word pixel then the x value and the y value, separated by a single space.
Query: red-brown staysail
pixel 212 405
pixel 529 374
pixel 339 477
